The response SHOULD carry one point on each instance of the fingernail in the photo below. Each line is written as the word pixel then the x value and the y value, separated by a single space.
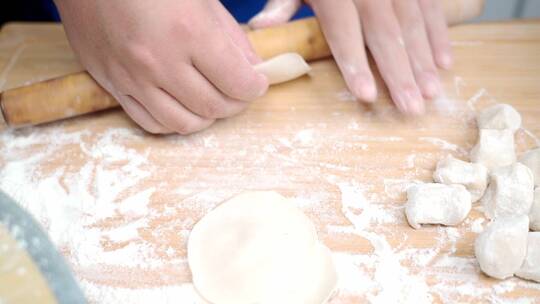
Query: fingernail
pixel 410 102
pixel 366 91
pixel 431 86
pixel 255 20
pixel 445 60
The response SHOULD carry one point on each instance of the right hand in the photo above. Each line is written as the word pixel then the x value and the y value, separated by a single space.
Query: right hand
pixel 174 66
pixel 408 40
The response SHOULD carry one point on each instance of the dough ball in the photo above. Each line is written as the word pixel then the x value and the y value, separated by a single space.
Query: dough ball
pixel 259 248
pixel 454 171
pixel 437 204
pixel 530 269
pixel 501 248
pixel 495 148
pixel 499 117
pixel 531 159
pixel 534 216
pixel 510 192
pixel 283 68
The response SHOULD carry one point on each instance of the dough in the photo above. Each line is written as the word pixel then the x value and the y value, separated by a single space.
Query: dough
pixel 534 216
pixel 531 159
pixel 283 67
pixel 501 248
pixel 499 117
pixel 437 204
pixel 259 248
pixel 495 148
pixel 530 269
pixel 454 171
pixel 510 192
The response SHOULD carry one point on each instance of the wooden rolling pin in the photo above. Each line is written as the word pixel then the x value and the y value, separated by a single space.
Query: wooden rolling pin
pixel 78 93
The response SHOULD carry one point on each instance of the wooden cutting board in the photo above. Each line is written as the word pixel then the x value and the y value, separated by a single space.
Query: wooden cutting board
pixel 132 197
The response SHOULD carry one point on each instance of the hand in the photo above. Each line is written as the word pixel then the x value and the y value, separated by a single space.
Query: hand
pixel 174 66
pixel 407 39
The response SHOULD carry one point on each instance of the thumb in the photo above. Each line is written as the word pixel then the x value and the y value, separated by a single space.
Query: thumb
pixel 275 12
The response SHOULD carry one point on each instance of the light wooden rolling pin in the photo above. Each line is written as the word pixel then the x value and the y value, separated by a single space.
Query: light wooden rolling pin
pixel 78 94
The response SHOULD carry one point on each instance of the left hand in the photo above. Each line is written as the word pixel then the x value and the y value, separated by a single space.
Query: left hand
pixel 408 40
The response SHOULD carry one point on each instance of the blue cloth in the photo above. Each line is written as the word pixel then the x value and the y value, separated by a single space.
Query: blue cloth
pixel 243 10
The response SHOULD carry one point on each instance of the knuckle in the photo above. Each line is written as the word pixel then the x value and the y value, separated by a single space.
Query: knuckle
pixel 141 55
pixel 213 109
pixel 183 27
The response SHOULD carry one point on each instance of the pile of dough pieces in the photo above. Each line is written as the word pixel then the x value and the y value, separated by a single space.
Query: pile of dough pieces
pixel 502 184
pixel 258 247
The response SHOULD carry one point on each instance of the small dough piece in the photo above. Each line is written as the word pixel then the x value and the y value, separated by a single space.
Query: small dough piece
pixel 501 248
pixel 437 204
pixel 474 177
pixel 531 159
pixel 534 216
pixel 510 192
pixel 499 117
pixel 530 269
pixel 258 247
pixel 283 68
pixel 495 148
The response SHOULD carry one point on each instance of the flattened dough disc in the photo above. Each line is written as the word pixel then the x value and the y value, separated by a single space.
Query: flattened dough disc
pixel 259 248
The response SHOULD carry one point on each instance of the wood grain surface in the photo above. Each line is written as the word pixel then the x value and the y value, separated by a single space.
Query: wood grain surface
pixel 347 164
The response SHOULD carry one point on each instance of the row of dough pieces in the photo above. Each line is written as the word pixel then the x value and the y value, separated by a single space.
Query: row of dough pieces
pixel 505 247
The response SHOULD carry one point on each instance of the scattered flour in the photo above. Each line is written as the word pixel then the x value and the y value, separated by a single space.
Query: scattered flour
pixel 477 226
pixel 443 144
pixel 120 222
pixel 346 95
pixel 305 137
pixel 471 102
pixel 184 294
pixel 459 83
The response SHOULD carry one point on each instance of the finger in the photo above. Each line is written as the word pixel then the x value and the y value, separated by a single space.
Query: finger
pixel 200 96
pixel 275 12
pixel 224 65
pixel 171 113
pixel 342 29
pixel 383 37
pixel 437 31
pixel 234 31
pixel 140 115
pixel 416 41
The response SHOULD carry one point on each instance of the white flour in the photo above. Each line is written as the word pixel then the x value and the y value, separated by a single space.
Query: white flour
pixel 116 218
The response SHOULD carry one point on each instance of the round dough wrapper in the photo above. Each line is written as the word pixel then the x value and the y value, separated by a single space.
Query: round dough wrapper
pixel 259 248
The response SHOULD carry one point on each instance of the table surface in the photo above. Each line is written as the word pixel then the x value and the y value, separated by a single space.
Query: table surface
pixel 119 203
